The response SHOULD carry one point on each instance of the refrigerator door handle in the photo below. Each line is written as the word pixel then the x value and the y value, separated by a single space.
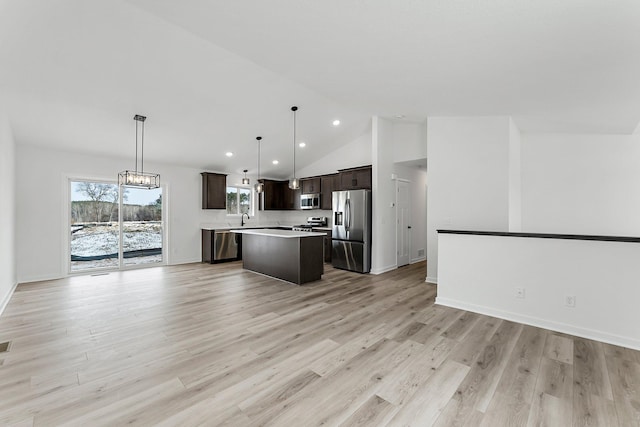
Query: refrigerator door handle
pixel 347 211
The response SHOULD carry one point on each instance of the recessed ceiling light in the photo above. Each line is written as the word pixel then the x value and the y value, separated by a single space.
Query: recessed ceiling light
pixel 275 162
pixel 336 122
pixel 302 144
pixel 399 116
pixel 228 154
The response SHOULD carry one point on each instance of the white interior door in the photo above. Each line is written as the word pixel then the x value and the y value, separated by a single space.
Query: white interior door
pixel 403 223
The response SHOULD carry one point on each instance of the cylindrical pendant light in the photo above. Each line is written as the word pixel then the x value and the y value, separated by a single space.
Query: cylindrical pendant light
pixel 245 180
pixel 294 184
pixel 259 187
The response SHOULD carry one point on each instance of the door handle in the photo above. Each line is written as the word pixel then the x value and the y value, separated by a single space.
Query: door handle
pixel 408 226
pixel 347 208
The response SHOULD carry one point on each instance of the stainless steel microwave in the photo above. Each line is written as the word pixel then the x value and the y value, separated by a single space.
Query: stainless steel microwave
pixel 309 201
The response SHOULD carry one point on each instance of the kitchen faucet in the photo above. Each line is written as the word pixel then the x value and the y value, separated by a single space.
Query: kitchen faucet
pixel 242 220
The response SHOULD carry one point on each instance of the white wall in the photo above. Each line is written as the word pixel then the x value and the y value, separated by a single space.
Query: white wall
pixel 354 154
pixel 417 178
pixel 409 140
pixel 8 279
pixel 481 274
pixel 515 178
pixel 394 141
pixel 468 168
pixel 582 184
pixel 383 252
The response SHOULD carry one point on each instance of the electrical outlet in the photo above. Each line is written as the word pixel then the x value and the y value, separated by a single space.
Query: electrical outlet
pixel 570 301
pixel 519 292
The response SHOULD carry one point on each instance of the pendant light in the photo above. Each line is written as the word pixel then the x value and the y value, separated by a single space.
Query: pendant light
pixel 294 184
pixel 138 178
pixel 245 180
pixel 259 187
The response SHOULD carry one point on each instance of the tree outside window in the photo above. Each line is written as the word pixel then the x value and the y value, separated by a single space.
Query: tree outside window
pixel 238 200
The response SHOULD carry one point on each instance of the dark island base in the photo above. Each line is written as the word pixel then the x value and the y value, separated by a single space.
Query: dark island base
pixel 296 260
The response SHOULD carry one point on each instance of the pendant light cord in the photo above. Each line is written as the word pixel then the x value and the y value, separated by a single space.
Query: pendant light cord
pixel 136 168
pixel 259 138
pixel 294 109
pixel 142 151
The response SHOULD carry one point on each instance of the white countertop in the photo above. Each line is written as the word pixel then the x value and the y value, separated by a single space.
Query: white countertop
pixel 226 226
pixel 277 233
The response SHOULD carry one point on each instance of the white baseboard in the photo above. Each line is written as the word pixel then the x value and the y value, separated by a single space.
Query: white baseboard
pixel 5 301
pixel 177 261
pixel 40 278
pixel 383 269
pixel 542 323
pixel 422 258
pixel 431 280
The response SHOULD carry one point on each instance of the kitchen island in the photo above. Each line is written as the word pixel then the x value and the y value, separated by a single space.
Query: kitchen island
pixel 294 256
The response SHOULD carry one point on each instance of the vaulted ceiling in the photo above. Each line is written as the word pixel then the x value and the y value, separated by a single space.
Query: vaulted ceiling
pixel 212 75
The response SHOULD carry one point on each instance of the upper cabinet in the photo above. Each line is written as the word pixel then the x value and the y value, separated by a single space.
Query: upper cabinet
pixel 214 190
pixel 329 183
pixel 311 185
pixel 277 195
pixel 355 178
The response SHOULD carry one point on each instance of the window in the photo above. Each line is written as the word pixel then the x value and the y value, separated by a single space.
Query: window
pixel 238 200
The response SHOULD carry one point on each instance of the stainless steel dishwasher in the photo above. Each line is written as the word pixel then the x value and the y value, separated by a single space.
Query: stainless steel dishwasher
pixel 225 245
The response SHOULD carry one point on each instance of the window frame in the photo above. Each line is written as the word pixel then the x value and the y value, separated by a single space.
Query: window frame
pixel 251 199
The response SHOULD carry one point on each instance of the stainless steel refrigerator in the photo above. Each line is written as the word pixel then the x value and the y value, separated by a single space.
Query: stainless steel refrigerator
pixel 351 233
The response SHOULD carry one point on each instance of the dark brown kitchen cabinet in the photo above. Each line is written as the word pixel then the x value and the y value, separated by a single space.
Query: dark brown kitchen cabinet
pixel 327 246
pixel 291 197
pixel 277 196
pixel 214 190
pixel 311 185
pixel 329 183
pixel 271 196
pixel 356 178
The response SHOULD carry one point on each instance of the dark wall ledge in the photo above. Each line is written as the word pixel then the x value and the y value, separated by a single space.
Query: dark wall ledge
pixel 546 235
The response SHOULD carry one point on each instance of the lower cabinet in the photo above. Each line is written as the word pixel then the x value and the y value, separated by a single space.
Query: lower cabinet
pixel 327 247
pixel 326 244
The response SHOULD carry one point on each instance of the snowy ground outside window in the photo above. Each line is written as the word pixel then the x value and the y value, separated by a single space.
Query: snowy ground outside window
pixel 101 243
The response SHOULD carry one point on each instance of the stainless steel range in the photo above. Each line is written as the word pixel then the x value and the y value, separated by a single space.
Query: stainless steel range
pixel 312 221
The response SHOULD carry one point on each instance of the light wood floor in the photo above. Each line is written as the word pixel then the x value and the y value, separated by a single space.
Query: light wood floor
pixel 203 344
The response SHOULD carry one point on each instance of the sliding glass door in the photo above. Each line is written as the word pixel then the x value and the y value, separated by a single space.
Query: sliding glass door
pixel 112 227
pixel 95 229
pixel 141 226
